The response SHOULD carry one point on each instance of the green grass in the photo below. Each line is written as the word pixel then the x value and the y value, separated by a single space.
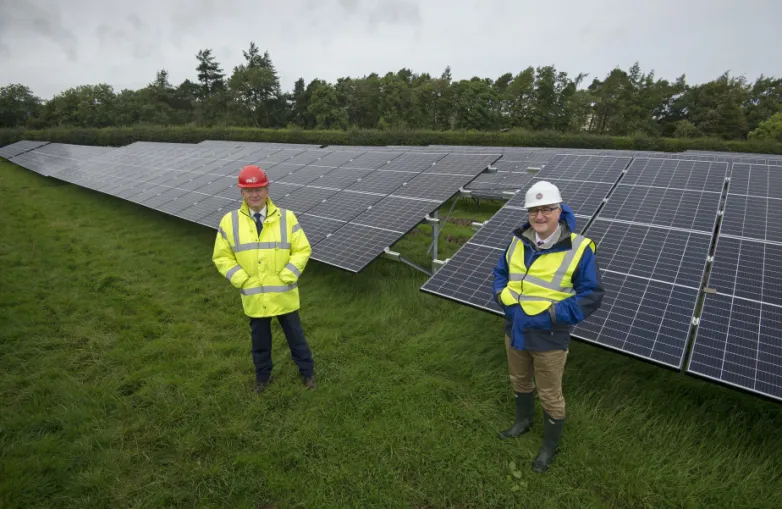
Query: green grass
pixel 125 382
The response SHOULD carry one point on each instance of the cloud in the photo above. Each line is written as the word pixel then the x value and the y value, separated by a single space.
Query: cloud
pixel 20 16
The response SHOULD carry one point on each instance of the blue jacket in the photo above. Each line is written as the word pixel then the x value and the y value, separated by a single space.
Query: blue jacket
pixel 539 332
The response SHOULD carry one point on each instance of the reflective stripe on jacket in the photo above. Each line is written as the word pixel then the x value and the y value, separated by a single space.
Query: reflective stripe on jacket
pixel 265 268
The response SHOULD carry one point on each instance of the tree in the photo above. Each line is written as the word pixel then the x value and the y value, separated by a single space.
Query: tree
pixel 324 107
pixel 770 129
pixel 18 105
pixel 255 91
pixel 210 75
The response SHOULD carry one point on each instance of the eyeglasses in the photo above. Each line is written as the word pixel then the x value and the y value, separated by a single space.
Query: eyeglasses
pixel 546 211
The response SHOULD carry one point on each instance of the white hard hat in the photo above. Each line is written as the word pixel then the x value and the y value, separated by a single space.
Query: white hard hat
pixel 542 193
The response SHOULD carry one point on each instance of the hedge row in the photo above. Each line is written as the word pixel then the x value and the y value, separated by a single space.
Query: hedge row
pixel 119 136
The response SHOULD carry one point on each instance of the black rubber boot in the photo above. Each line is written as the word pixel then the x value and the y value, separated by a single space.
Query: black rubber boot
pixel 525 407
pixel 552 431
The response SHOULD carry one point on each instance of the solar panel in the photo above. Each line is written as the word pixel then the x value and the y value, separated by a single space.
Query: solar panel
pixel 693 210
pixel 585 168
pixel 752 217
pixel 756 180
pixel 318 228
pixel 345 205
pixel 462 164
pixel 20 147
pixel 664 254
pixel 305 175
pixel 353 246
pixel 433 187
pixel 372 160
pixel 737 341
pixel 303 199
pixel 676 174
pixel 340 178
pixel 382 182
pixel 396 214
pixel 467 277
pixel 52 158
pixel 205 206
pixel 642 317
pixel 497 231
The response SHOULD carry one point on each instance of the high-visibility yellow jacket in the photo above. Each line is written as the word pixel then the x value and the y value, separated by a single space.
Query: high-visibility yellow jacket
pixel 265 268
pixel 548 280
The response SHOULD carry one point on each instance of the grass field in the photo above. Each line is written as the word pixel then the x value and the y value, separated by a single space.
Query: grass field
pixel 125 381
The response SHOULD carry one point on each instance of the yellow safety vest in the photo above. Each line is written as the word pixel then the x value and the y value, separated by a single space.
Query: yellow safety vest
pixel 265 268
pixel 547 280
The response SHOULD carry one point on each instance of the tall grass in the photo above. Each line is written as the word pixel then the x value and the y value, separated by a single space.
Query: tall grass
pixel 125 381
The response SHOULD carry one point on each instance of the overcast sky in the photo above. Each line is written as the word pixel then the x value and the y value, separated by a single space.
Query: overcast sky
pixel 51 45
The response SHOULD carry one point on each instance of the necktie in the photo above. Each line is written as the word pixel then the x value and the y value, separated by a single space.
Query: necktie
pixel 258 222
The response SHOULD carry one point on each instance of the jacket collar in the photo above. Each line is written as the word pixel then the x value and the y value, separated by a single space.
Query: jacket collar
pixel 272 212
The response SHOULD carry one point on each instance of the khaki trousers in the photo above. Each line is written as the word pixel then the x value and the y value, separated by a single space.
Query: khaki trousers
pixel 546 368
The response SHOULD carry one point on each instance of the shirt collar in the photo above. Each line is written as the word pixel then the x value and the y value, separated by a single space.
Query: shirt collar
pixel 262 211
pixel 551 238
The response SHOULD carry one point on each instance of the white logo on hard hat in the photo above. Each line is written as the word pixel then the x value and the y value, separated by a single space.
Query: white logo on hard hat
pixel 251 180
pixel 539 196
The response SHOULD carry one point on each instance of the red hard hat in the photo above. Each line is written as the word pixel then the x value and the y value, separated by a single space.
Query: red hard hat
pixel 252 176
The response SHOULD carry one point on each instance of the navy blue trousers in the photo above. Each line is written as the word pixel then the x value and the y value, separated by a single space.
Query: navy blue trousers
pixel 261 333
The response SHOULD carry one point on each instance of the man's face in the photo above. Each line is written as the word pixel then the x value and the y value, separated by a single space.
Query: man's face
pixel 544 219
pixel 255 196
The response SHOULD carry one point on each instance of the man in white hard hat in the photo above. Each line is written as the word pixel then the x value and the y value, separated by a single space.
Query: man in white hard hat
pixel 547 281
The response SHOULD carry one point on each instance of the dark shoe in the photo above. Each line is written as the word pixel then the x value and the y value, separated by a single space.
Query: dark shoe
pixel 551 435
pixel 525 407
pixel 261 385
pixel 309 382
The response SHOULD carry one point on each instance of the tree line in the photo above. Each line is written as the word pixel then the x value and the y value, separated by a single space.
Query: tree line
pixel 625 102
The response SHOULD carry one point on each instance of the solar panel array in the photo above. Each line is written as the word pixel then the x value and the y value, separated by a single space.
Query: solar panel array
pixel 738 341
pixel 352 203
pixel 653 228
pixel 653 216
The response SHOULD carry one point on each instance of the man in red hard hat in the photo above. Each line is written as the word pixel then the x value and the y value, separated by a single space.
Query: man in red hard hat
pixel 262 250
